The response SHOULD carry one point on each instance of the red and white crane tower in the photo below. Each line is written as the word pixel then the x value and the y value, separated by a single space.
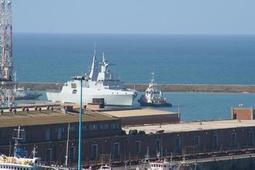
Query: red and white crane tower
pixel 7 73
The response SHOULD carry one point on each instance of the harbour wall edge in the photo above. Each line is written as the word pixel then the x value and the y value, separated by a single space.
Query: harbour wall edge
pixel 230 88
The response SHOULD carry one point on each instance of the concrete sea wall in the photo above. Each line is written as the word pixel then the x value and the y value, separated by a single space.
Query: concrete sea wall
pixel 198 87
pixel 163 87
pixel 239 164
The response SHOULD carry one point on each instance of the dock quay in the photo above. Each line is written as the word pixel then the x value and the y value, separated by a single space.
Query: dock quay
pixel 225 161
pixel 110 137
pixel 231 88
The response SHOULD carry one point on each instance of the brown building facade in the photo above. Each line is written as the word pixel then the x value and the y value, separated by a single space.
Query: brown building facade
pixel 243 113
pixel 105 140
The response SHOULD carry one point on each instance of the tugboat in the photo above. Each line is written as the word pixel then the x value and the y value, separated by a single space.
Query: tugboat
pixel 153 96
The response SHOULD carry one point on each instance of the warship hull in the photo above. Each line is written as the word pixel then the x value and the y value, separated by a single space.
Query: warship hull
pixel 110 97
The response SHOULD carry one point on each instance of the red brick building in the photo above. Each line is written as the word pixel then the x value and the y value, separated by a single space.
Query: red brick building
pixel 105 138
pixel 243 113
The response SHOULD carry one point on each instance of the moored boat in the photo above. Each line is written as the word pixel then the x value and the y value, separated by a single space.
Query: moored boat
pixel 100 83
pixel 16 162
pixel 26 94
pixel 105 167
pixel 153 96
pixel 162 165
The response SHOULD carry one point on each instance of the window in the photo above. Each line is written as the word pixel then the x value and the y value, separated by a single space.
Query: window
pixel 94 151
pixel 47 134
pixel 23 136
pixel 116 150
pixel 73 128
pixel 234 116
pixel 158 146
pixel 49 155
pixel 60 133
pixel 178 144
pixel 93 127
pixel 104 126
pixel 196 140
pixel 84 128
pixel 250 138
pixel 215 142
pixel 138 147
pixel 73 85
pixel 114 126
pixel 74 91
pixel 233 139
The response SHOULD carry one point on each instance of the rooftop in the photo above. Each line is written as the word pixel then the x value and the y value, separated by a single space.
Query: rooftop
pixel 47 117
pixel 242 108
pixel 137 112
pixel 193 126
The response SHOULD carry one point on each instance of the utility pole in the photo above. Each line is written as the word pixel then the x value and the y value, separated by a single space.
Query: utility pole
pixel 79 164
pixel 67 144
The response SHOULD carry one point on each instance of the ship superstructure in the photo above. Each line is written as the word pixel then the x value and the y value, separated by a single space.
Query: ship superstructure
pixel 162 165
pixel 100 83
pixel 153 96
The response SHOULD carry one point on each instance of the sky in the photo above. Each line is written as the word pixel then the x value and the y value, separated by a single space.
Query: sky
pixel 135 16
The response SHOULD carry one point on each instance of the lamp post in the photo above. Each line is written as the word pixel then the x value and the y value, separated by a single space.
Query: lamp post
pixel 80 78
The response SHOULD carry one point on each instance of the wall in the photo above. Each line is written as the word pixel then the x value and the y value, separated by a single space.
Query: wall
pixel 120 147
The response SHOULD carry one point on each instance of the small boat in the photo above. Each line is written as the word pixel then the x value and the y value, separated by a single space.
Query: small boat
pixel 105 167
pixel 26 94
pixel 17 162
pixel 153 96
pixel 162 165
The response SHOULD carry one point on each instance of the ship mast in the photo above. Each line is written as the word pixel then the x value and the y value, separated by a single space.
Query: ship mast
pixel 152 83
pixel 7 78
pixel 94 67
pixel 17 138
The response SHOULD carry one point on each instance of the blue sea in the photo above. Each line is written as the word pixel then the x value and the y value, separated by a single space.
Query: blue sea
pixel 207 106
pixel 212 59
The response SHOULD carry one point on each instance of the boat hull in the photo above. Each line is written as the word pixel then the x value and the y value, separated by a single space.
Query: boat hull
pixel 28 97
pixel 112 98
pixel 144 102
pixel 156 104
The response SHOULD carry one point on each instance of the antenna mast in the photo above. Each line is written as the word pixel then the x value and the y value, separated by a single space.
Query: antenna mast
pixel 7 75
pixel 17 138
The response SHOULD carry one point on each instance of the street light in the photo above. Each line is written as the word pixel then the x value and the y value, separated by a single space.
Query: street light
pixel 80 78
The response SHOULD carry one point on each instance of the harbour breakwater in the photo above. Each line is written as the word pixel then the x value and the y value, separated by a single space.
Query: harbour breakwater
pixel 198 88
pixel 228 88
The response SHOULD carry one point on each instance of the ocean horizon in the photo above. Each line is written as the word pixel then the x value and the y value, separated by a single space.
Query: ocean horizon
pixel 177 59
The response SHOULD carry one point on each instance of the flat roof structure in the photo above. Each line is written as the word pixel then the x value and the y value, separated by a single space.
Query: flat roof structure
pixel 144 116
pixel 192 126
pixel 138 112
pixel 45 117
